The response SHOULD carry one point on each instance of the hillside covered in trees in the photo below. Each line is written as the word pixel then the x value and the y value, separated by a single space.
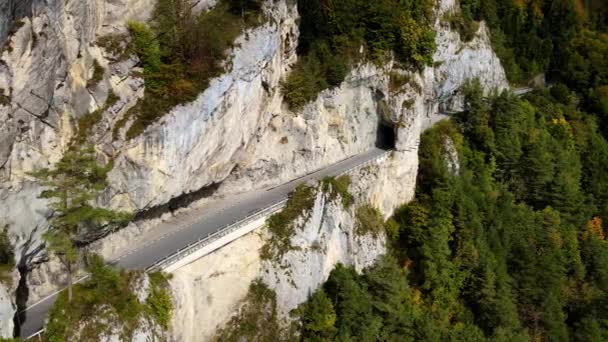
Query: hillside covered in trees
pixel 511 244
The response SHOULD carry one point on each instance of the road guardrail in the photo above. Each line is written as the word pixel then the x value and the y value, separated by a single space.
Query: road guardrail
pixel 234 226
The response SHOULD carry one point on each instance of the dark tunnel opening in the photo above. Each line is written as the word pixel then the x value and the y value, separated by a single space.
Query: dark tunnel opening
pixel 385 137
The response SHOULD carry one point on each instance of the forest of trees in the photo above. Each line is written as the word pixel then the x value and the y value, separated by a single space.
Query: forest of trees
pixel 332 34
pixel 512 247
pixel 568 39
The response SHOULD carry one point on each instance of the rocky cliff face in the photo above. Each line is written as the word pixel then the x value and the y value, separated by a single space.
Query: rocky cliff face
pixel 339 122
pixel 213 287
pixel 237 135
pixel 7 305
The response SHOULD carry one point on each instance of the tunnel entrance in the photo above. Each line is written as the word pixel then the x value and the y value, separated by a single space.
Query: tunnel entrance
pixel 385 136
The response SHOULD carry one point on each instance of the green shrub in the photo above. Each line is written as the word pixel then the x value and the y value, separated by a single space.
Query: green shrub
pixel 397 81
pixel 317 316
pixel 120 123
pixel 112 290
pixel 115 44
pixel 304 82
pixel 7 256
pixel 86 123
pixel 338 186
pixel 159 300
pixel 4 99
pixel 467 28
pixel 97 77
pixel 369 220
pixel 280 225
pixel 257 319
pixel 147 49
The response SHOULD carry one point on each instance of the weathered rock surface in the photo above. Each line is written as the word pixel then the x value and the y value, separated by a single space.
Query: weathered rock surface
pixel 7 306
pixel 340 122
pixel 238 133
pixel 213 287
pixel 456 61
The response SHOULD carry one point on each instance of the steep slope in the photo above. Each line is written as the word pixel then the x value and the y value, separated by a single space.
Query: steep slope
pixel 237 135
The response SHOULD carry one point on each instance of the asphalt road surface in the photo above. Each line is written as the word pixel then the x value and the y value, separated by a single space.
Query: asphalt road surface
pixel 147 254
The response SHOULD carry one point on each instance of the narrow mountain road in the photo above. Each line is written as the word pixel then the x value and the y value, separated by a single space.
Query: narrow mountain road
pixel 146 254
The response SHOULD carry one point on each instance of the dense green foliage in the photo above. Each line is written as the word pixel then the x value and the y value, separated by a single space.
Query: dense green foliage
pixel 280 225
pixel 181 52
pixel 568 39
pixel 105 301
pixel 159 302
pixel 511 248
pixel 333 32
pixel 369 220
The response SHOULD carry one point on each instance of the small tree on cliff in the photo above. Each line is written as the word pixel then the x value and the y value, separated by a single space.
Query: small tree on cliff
pixel 73 184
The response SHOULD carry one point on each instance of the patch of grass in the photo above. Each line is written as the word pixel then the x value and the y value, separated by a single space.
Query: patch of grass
pixel 280 225
pixel 86 123
pixel 106 296
pixel 407 104
pixel 369 220
pixel 97 77
pixel 115 44
pixel 123 121
pixel 159 301
pixel 466 28
pixel 181 53
pixel 338 186
pixel 257 319
pixel 4 99
pixel 7 257
pixel 397 81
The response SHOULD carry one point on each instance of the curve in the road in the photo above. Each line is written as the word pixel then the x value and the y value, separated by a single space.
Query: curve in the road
pixel 150 253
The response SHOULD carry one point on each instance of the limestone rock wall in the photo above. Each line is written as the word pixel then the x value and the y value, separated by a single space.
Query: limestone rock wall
pixel 7 305
pixel 338 123
pixel 211 289
pixel 196 144
pixel 44 68
pixel 238 133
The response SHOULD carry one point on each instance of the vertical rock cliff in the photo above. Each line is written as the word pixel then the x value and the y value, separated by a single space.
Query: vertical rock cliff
pixel 237 135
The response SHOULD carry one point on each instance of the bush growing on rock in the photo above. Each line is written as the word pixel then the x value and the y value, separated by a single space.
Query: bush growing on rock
pixel 181 52
pixel 7 255
pixel 338 186
pixel 107 303
pixel 369 220
pixel 257 319
pixel 332 35
pixel 280 225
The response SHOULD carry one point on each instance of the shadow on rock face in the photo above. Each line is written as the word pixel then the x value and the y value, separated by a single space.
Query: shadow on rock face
pixel 385 137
